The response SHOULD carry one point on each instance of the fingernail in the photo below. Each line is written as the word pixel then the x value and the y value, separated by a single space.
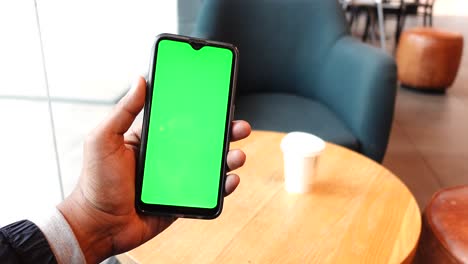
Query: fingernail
pixel 134 84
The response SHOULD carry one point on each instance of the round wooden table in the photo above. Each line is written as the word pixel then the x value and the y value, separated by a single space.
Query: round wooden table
pixel 358 212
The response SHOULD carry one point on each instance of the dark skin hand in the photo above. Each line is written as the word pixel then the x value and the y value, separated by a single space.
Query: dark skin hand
pixel 101 208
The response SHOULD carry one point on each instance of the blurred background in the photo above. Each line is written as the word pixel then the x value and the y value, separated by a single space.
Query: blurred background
pixel 86 53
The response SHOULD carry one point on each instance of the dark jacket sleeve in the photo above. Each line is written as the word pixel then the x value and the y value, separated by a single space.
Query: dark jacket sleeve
pixel 23 242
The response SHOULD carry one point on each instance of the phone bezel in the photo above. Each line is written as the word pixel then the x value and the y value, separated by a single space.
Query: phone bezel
pixel 172 210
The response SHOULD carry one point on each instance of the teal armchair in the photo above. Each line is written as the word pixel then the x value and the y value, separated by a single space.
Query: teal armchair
pixel 300 70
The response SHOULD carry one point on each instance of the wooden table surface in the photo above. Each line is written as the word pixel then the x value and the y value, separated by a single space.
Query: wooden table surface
pixel 358 212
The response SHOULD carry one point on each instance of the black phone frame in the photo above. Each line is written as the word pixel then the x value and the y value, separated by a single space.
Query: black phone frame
pixel 172 210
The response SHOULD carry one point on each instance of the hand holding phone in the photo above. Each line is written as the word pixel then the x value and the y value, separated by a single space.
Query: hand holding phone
pixel 101 209
pixel 186 128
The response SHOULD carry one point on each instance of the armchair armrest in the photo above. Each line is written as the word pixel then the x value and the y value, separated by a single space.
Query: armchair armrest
pixel 358 83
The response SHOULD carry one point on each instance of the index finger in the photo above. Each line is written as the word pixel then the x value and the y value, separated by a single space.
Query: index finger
pixel 240 129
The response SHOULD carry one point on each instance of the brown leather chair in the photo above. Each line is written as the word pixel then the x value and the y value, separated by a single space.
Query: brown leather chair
pixel 444 236
pixel 428 58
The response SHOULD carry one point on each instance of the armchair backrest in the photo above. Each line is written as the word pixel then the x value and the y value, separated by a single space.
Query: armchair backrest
pixel 282 43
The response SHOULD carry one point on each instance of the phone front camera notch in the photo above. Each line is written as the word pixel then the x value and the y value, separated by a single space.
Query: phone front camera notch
pixel 197 45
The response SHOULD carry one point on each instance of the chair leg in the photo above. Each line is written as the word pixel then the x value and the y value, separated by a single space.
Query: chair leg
pixel 430 17
pixel 367 28
pixel 400 25
pixel 398 29
pixel 425 16
pixel 351 18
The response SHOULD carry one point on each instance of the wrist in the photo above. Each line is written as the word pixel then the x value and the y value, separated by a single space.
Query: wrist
pixel 89 227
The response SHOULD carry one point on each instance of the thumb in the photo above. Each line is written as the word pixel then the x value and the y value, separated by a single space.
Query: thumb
pixel 125 112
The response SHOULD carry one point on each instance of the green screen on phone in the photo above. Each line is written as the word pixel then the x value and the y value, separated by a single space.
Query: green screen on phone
pixel 187 125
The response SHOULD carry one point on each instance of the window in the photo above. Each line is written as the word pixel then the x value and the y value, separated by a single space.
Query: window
pixel 85 53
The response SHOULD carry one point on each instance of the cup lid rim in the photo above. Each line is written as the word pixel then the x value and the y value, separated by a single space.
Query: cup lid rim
pixel 302 143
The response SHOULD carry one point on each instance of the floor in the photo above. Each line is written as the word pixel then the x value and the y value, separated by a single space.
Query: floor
pixel 428 148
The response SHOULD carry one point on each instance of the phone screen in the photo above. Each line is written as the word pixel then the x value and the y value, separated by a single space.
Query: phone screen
pixel 187 125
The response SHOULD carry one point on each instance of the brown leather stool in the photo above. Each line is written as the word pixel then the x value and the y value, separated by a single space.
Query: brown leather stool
pixel 428 58
pixel 444 236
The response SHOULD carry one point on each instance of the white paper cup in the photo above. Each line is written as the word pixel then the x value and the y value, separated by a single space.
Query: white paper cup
pixel 300 152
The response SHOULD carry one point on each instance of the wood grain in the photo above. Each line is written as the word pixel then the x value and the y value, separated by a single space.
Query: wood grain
pixel 358 212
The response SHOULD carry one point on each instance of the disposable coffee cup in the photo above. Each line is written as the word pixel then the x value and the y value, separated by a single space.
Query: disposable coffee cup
pixel 300 153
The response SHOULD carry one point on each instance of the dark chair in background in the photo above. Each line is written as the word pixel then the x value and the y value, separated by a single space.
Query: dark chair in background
pixel 400 9
pixel 301 71
pixel 391 8
pixel 422 8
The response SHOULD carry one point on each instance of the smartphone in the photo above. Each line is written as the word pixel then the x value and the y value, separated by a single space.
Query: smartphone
pixel 186 127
